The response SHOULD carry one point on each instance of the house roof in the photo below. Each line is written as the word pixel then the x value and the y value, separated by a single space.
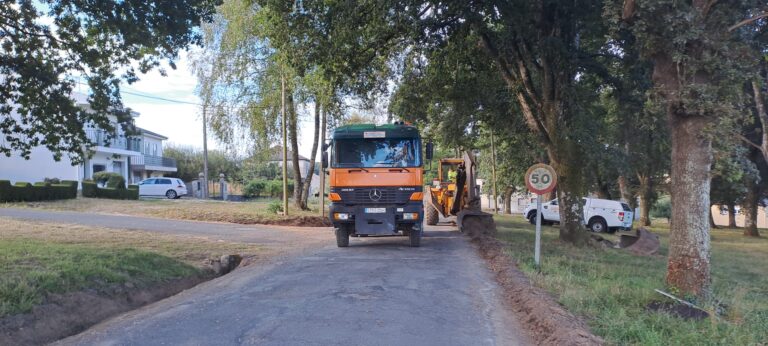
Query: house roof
pixel 152 134
pixel 277 154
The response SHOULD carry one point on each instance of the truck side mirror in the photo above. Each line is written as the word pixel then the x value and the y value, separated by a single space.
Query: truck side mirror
pixel 324 147
pixel 324 160
pixel 430 150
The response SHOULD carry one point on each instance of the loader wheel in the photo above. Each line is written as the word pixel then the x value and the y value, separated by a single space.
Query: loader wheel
pixel 432 216
pixel 415 235
pixel 342 237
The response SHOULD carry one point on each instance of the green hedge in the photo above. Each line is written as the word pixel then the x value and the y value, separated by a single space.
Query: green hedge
pixel 26 192
pixel 91 190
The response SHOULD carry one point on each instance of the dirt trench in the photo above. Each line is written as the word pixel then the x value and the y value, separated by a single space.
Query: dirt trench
pixel 548 322
pixel 67 314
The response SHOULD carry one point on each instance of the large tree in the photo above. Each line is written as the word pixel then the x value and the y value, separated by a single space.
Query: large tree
pixel 49 46
pixel 698 65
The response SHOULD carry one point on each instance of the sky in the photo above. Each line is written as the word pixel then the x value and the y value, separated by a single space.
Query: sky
pixel 181 121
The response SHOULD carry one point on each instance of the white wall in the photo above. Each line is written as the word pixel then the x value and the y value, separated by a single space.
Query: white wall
pixel 39 166
pixel 152 146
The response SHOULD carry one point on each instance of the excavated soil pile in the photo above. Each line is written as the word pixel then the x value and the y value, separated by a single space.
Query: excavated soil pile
pixel 62 315
pixel 548 321
pixel 301 221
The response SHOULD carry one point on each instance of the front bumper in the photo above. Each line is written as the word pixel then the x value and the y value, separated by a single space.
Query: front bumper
pixel 388 222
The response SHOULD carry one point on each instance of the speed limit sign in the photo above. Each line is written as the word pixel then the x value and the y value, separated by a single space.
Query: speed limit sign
pixel 541 179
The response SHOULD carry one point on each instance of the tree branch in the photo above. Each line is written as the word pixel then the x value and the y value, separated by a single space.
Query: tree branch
pixel 748 21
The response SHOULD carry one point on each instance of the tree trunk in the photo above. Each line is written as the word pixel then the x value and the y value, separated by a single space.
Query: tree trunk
pixel 293 137
pixel 688 267
pixel 570 181
pixel 645 195
pixel 313 155
pixel 508 199
pixel 731 214
pixel 626 192
pixel 750 208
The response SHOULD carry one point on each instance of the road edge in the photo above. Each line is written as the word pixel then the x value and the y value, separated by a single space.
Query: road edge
pixel 548 322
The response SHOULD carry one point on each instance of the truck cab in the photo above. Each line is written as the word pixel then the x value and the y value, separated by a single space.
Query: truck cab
pixel 376 181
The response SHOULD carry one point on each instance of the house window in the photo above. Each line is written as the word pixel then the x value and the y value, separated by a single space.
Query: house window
pixel 99 168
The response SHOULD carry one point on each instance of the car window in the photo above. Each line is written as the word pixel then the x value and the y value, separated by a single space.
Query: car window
pixel 626 207
pixel 178 181
pixel 164 181
pixel 554 202
pixel 148 182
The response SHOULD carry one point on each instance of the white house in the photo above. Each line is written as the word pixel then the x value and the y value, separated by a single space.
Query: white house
pixel 120 154
pixel 304 167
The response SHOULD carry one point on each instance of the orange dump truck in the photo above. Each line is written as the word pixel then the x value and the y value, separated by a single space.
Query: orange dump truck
pixel 376 181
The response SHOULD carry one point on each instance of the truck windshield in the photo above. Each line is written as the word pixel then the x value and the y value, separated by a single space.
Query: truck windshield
pixel 383 152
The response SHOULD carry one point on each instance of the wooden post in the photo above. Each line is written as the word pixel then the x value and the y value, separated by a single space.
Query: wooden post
pixel 205 151
pixel 285 146
pixel 322 153
pixel 493 174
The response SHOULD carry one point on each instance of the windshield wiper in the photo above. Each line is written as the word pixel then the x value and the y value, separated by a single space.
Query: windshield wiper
pixel 361 169
pixel 400 169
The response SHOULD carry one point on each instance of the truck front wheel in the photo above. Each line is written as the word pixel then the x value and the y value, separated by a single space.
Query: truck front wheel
pixel 432 216
pixel 342 236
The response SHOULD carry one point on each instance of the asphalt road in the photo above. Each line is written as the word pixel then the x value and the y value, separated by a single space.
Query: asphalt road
pixel 378 291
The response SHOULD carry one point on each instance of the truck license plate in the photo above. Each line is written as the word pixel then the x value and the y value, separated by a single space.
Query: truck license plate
pixel 375 210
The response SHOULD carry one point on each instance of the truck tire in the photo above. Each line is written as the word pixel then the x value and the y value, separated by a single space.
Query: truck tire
pixel 532 217
pixel 342 237
pixel 415 236
pixel 432 216
pixel 597 225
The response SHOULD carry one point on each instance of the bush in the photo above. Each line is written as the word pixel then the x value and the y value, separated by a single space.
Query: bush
pixel 42 191
pixel 102 178
pixel 91 190
pixel 662 208
pixel 52 180
pixel 275 207
pixel 274 188
pixel 116 182
pixel 254 188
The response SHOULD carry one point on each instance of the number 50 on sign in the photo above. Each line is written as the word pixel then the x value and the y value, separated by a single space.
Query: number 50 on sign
pixel 541 179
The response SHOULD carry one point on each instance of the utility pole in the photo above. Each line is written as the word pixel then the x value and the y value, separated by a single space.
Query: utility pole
pixel 205 152
pixel 285 146
pixel 323 155
pixel 493 173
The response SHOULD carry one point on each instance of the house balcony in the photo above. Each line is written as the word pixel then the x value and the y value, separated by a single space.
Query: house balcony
pixel 153 163
pixel 117 144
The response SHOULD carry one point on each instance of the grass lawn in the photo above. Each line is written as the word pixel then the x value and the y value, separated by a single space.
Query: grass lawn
pixel 180 209
pixel 612 287
pixel 41 258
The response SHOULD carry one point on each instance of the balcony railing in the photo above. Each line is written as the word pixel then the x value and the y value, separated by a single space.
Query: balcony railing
pixel 158 161
pixel 101 138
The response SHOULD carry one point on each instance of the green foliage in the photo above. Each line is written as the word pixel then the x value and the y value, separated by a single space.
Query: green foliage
pixel 275 207
pixel 255 188
pixel 103 177
pixel 91 190
pixel 102 43
pixel 662 208
pixel 41 191
pixel 189 161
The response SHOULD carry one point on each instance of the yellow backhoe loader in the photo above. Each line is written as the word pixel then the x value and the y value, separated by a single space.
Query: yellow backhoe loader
pixel 455 193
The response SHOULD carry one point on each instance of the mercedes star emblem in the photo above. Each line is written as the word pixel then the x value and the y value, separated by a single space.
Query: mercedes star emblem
pixel 375 195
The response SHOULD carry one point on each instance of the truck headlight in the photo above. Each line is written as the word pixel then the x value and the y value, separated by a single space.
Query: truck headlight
pixel 410 216
pixel 341 216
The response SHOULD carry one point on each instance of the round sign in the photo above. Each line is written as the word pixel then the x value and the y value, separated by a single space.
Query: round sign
pixel 540 179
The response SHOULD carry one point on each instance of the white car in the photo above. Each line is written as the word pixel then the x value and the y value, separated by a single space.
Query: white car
pixel 171 188
pixel 600 215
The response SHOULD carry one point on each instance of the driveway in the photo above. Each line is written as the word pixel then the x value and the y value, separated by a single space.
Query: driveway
pixel 378 291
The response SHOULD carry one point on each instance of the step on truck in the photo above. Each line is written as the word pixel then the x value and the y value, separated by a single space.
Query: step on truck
pixel 376 178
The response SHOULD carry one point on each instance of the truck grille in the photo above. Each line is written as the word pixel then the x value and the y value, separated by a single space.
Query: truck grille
pixel 375 195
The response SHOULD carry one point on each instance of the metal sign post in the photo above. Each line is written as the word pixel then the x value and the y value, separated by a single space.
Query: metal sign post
pixel 539 179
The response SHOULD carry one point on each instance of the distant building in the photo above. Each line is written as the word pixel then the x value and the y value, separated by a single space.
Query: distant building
pixel 276 157
pixel 134 157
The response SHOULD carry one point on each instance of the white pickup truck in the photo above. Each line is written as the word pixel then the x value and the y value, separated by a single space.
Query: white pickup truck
pixel 600 215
